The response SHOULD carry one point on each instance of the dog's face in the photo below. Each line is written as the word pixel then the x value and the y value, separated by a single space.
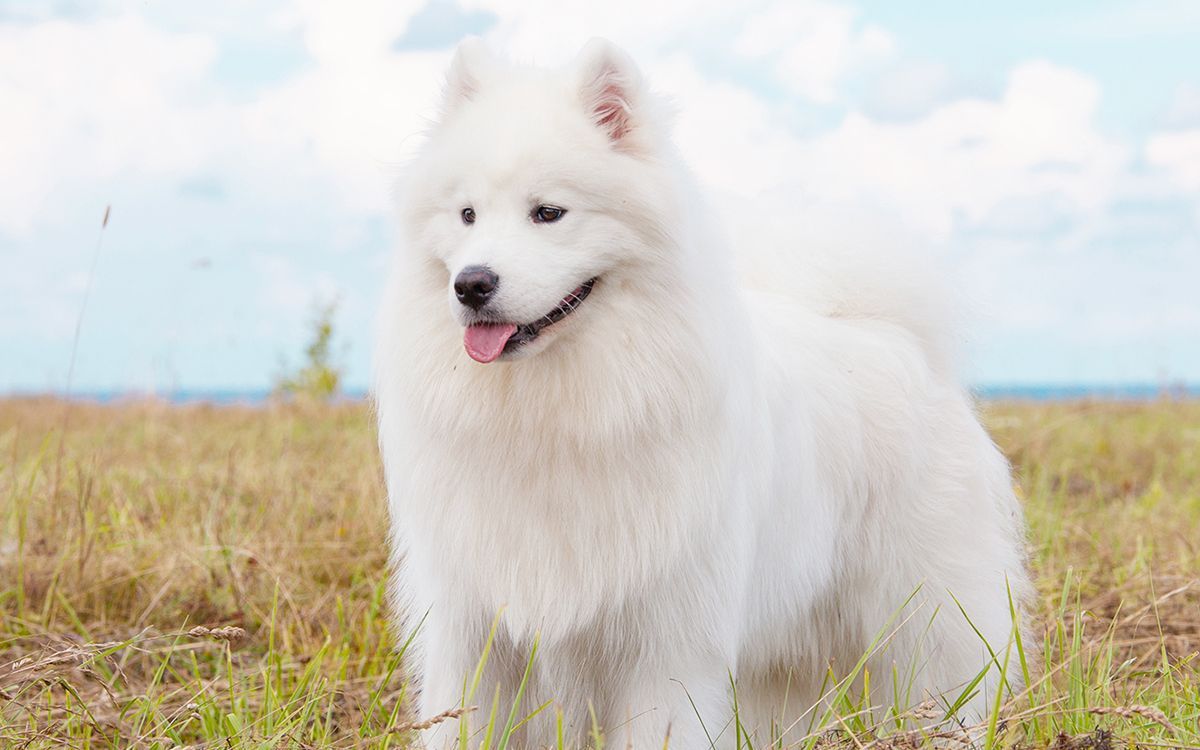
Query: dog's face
pixel 535 193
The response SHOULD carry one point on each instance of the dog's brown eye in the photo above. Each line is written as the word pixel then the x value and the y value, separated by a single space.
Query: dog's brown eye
pixel 468 215
pixel 548 214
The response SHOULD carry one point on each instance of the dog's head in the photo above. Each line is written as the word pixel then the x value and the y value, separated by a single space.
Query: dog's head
pixel 540 194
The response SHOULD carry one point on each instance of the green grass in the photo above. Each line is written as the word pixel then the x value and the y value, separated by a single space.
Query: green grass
pixel 215 577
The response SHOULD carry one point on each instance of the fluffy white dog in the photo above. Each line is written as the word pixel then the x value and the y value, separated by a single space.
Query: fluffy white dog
pixel 673 484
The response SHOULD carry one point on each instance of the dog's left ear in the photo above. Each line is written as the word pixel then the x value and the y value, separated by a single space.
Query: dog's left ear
pixel 611 90
pixel 468 73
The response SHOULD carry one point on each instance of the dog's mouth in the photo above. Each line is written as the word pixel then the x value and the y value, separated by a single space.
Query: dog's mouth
pixel 485 341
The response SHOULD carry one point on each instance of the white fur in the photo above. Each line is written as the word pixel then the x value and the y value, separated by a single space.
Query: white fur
pixel 684 481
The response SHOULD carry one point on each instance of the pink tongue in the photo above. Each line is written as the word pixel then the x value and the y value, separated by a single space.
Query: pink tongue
pixel 485 341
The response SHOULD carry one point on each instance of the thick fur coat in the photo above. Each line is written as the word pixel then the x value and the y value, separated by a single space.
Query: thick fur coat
pixel 685 483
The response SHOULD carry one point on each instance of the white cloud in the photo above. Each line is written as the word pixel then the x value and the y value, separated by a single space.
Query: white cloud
pixel 807 46
pixel 730 137
pixel 1178 155
pixel 969 157
pixel 1184 109
pixel 908 89
pixel 115 99
pixel 335 34
pixel 552 31
pixel 970 160
pixel 353 120
pixel 96 102
pixel 812 45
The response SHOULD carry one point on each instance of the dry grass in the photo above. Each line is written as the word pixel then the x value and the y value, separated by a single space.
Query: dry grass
pixel 215 577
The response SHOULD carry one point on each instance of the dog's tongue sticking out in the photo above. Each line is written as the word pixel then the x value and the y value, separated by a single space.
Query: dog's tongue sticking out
pixel 485 341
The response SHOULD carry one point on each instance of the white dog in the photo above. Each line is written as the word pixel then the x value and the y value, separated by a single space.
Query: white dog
pixel 672 484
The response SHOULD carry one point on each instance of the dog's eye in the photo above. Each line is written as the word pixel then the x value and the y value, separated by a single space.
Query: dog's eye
pixel 468 215
pixel 547 214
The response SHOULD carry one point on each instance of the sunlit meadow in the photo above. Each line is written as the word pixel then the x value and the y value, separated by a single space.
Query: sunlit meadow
pixel 216 577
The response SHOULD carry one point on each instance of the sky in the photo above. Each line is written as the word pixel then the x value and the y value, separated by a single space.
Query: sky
pixel 1046 154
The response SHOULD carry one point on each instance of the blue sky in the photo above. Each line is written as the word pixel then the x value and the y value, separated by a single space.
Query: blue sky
pixel 1047 154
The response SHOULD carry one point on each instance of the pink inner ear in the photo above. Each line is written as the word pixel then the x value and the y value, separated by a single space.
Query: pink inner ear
pixel 611 111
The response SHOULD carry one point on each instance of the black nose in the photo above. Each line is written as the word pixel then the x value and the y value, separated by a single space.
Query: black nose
pixel 474 286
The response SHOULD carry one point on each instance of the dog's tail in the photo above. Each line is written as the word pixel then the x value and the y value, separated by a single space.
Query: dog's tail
pixel 897 286
pixel 841 266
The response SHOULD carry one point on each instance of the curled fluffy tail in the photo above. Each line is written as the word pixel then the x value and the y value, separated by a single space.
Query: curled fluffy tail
pixel 899 287
pixel 844 265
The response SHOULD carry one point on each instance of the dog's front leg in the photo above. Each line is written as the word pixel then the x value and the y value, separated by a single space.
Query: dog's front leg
pixel 445 668
pixel 684 705
pixel 450 651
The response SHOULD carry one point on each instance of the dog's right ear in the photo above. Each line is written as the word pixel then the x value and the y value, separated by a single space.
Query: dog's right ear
pixel 611 89
pixel 470 67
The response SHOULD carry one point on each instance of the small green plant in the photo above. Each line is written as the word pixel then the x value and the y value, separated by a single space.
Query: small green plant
pixel 319 378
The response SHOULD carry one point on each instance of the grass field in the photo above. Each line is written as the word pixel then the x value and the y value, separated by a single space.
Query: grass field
pixel 214 577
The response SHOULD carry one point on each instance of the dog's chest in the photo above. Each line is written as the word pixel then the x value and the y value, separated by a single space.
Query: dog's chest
pixel 520 524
